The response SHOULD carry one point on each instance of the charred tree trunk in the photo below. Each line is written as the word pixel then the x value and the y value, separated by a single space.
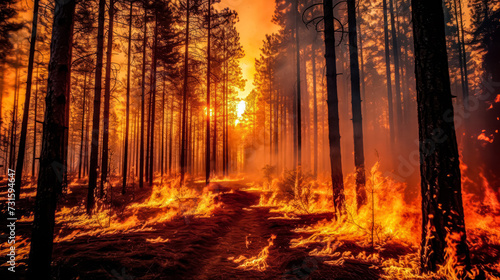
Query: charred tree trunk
pixel 299 104
pixel 94 150
pixel 143 101
pixel 388 75
pixel 50 175
pixel 464 56
pixel 87 127
pixel 361 57
pixel 107 97
pixel 214 143
pixel 184 99
pixel 125 156
pixel 170 133
pixel 2 85
pixel 397 79
pixel 315 109
pixel 24 125
pixel 83 125
pixel 443 227
pixel 207 144
pixel 153 103
pixel 35 120
pixel 333 110
pixel 162 153
pixel 357 121
pixel 13 130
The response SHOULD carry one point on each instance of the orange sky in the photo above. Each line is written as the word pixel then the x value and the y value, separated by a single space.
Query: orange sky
pixel 255 23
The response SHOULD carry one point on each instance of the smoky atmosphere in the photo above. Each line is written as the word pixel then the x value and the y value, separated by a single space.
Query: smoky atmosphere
pixel 265 139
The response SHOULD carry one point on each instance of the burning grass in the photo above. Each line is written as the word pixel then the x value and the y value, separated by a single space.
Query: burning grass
pixel 167 201
pixel 389 221
pixel 257 262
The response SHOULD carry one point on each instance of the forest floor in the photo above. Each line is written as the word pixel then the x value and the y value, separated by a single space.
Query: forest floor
pixel 200 248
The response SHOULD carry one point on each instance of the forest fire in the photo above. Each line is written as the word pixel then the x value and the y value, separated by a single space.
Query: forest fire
pixel 287 139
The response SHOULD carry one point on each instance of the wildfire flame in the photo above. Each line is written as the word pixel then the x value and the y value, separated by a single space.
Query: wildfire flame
pixel 257 262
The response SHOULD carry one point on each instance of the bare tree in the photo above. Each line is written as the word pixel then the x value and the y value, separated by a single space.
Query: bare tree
pixel 52 155
pixel 27 99
pixel 96 119
pixel 442 210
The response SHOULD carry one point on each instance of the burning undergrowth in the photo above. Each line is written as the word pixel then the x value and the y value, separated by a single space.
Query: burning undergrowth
pixel 166 202
pixel 296 193
pixel 385 233
pixel 257 262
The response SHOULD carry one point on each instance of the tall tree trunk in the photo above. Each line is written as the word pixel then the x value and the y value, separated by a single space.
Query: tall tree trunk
pixel 333 110
pixel 388 75
pixel 170 133
pixel 397 79
pixel 94 149
pixel 315 109
pixel 35 121
pixel 129 55
pixel 362 59
pixel 162 154
pixel 207 147
pixel 270 111
pixel 214 143
pixel 357 120
pixel 87 127
pixel 299 104
pixel 143 101
pixel 224 105
pixel 107 97
pixel 464 57
pixel 153 102
pixel 52 154
pixel 185 97
pixel 66 131
pixel 27 99
pixel 442 210
pixel 13 131
pixel 148 132
pixel 2 85
pixel 83 125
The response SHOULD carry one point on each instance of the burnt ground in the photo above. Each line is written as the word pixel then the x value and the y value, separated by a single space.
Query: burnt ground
pixel 200 248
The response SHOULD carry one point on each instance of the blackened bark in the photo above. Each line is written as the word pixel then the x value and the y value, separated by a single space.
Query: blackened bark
pixel 315 109
pixel 299 105
pixel 333 110
pixel 357 121
pixel 397 79
pixel 35 119
pixel 143 101
pixel 107 97
pixel 153 103
pixel 388 75
pixel 125 156
pixel 83 126
pixel 442 210
pixel 207 144
pixel 184 101
pixel 94 149
pixel 24 125
pixel 52 155
pixel 170 136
